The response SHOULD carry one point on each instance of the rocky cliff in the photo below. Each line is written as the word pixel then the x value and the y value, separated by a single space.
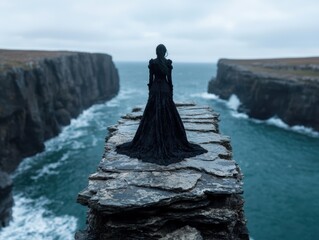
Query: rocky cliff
pixel 286 88
pixel 6 200
pixel 40 91
pixel 198 198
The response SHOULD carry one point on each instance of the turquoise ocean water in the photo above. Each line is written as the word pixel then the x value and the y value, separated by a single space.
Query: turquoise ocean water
pixel 280 164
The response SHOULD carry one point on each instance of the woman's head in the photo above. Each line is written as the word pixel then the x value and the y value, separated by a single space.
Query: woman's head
pixel 161 51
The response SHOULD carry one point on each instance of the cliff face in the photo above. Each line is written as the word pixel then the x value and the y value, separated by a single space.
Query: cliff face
pixel 40 92
pixel 6 200
pixel 287 88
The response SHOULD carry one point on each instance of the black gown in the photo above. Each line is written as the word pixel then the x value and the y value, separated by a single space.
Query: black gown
pixel 160 137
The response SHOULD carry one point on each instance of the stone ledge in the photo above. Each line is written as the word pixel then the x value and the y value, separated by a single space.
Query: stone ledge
pixel 200 195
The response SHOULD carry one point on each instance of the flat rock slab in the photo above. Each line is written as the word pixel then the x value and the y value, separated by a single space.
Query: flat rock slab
pixel 143 197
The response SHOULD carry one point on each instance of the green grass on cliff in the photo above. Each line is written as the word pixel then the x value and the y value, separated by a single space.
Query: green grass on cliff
pixel 25 58
pixel 287 72
pixel 306 69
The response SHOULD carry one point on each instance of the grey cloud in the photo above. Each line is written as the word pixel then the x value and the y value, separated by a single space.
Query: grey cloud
pixel 130 30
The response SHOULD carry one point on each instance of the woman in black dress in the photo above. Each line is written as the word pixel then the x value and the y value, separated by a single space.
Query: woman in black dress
pixel 160 137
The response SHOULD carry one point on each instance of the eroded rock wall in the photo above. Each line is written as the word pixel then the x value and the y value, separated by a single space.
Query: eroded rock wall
pixel 286 88
pixel 40 91
pixel 6 200
pixel 39 97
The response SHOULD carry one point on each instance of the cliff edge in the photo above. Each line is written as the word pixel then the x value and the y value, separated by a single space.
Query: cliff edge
pixel 40 91
pixel 286 88
pixel 197 198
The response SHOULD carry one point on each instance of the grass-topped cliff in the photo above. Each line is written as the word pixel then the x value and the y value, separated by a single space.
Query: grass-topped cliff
pixel 40 91
pixel 287 88
pixel 290 68
pixel 26 58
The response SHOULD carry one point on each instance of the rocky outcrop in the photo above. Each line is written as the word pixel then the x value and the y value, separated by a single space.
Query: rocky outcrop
pixel 286 88
pixel 40 91
pixel 6 200
pixel 198 198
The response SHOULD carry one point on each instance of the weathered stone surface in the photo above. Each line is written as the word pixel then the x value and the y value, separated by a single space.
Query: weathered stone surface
pixel 6 199
pixel 40 91
pixel 286 88
pixel 184 233
pixel 198 198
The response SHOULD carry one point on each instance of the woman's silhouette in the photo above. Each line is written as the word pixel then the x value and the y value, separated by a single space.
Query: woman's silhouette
pixel 160 137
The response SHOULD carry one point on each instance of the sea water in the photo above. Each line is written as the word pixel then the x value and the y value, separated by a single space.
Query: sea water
pixel 280 163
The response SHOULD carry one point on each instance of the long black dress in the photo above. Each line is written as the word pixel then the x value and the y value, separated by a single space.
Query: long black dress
pixel 160 137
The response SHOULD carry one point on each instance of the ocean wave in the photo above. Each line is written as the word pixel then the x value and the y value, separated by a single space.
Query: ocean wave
pixel 31 220
pixel 78 128
pixel 233 104
pixel 47 170
pixel 78 145
pixel 50 168
pixel 275 121
pixel 94 141
pixel 84 119
pixel 205 95
pixel 69 138
pixel 123 95
pixel 25 165
pixel 237 114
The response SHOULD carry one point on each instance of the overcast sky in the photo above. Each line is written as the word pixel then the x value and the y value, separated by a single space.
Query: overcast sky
pixel 193 31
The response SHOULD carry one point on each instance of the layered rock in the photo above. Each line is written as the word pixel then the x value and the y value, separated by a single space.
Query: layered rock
pixel 6 200
pixel 40 91
pixel 286 88
pixel 198 198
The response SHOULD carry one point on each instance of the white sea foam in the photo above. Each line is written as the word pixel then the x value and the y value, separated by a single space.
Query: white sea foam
pixel 31 220
pixel 78 145
pixel 114 103
pixel 83 120
pixel 64 157
pixel 275 121
pixel 306 130
pixel 205 95
pixel 50 169
pixel 236 114
pixel 67 138
pixel 233 103
pixel 76 129
pixel 94 141
pixel 47 170
pixel 25 165
pixel 123 95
